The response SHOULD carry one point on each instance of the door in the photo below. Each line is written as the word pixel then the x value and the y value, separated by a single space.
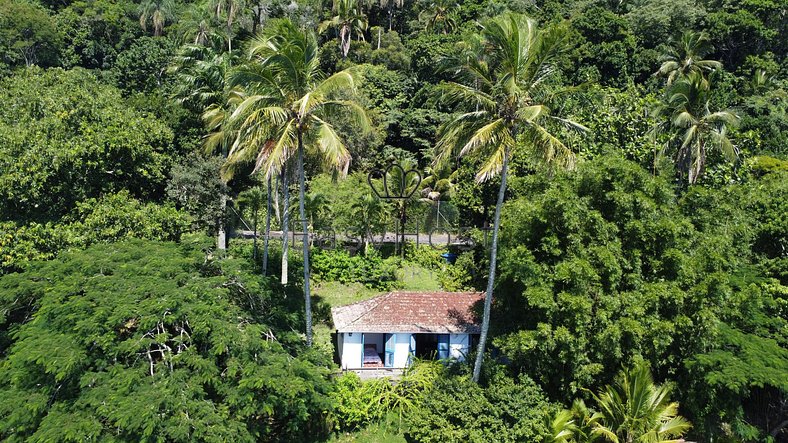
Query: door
pixel 443 346
pixel 391 344
pixel 411 348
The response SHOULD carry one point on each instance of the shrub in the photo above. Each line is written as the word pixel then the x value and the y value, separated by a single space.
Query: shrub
pixel 360 403
pixel 458 410
pixel 371 270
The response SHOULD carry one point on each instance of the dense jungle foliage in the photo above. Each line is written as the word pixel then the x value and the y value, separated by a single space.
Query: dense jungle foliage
pixel 635 153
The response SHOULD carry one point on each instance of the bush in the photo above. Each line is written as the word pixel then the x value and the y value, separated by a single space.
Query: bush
pixel 458 410
pixel 371 270
pixel 360 403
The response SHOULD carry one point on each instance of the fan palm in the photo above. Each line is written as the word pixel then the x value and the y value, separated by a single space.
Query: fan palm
pixel 687 58
pixel 634 409
pixel 284 106
pixel 158 12
pixel 692 127
pixel 503 95
pixel 348 19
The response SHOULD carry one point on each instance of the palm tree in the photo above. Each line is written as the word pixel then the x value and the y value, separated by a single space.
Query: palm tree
pixel 227 11
pixel 634 409
pixel 692 127
pixel 390 5
pixel 197 27
pixel 370 212
pixel 440 16
pixel 283 110
pixel 687 58
pixel 348 19
pixel 253 200
pixel 503 96
pixel 158 12
pixel 316 205
pixel 201 77
pixel 269 191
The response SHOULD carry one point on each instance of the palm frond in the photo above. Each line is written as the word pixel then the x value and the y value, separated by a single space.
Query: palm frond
pixel 333 150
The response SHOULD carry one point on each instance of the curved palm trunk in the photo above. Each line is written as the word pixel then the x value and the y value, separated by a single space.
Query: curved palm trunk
pixel 267 229
pixel 344 38
pixel 285 222
pixel 305 242
pixel 477 366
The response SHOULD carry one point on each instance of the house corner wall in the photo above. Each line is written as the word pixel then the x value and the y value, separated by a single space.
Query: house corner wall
pixel 350 349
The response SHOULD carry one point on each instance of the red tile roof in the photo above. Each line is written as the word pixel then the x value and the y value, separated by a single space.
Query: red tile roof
pixel 428 312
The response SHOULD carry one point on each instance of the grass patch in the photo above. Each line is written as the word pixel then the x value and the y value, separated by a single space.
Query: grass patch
pixel 413 277
pixel 339 294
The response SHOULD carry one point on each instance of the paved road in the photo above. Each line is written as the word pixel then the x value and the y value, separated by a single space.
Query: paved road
pixel 438 238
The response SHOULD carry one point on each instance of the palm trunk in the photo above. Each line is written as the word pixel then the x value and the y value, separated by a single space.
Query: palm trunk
pixel 285 221
pixel 305 242
pixel 344 38
pixel 221 236
pixel 276 200
pixel 267 229
pixel 477 367
pixel 254 226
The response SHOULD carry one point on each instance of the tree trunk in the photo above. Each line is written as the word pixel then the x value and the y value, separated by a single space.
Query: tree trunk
pixel 477 367
pixel 221 237
pixel 285 221
pixel 254 227
pixel 267 229
pixel 305 242
pixel 276 200
pixel 344 39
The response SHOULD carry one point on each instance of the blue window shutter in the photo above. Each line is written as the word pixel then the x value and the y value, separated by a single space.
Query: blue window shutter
pixel 411 349
pixel 391 344
pixel 443 346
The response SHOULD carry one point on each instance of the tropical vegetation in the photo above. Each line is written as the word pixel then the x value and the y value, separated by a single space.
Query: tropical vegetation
pixel 188 187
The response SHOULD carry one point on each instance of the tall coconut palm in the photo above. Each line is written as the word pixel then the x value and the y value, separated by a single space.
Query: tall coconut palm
pixel 158 12
pixel 634 409
pixel 228 12
pixel 440 15
pixel 692 127
pixel 390 5
pixel 348 19
pixel 284 111
pixel 503 98
pixel 687 57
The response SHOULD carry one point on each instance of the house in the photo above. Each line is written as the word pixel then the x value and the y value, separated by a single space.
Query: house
pixel 388 330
